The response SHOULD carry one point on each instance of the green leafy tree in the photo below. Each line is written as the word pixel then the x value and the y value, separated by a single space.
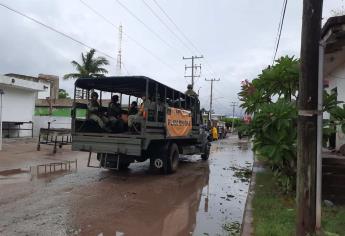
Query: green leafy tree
pixel 63 94
pixel 90 66
pixel 269 97
pixel 274 140
pixel 251 97
pixel 282 78
pixel 279 80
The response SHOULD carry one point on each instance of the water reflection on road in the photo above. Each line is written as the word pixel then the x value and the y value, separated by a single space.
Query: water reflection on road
pixel 223 199
pixel 199 199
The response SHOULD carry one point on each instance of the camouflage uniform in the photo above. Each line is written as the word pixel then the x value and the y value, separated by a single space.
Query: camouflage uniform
pixel 93 113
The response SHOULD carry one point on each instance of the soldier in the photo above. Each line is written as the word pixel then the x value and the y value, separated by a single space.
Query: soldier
pixel 93 112
pixel 190 91
pixel 114 109
pixel 133 110
pixel 138 117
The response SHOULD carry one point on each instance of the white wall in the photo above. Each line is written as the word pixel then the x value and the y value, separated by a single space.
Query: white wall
pixel 46 92
pixel 56 122
pixel 337 80
pixel 18 105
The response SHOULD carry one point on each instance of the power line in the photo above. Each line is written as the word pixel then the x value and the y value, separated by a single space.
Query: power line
pixel 128 36
pixel 167 26
pixel 53 29
pixel 146 26
pixel 280 28
pixel 176 26
pixel 183 34
pixel 124 67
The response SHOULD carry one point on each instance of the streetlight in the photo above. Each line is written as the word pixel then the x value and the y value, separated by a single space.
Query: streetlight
pixel 1 93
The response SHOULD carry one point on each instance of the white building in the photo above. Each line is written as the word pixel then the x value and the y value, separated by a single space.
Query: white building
pixel 18 105
pixel 50 82
pixel 333 37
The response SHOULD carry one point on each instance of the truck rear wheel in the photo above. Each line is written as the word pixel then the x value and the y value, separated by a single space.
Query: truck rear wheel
pixel 165 159
pixel 173 159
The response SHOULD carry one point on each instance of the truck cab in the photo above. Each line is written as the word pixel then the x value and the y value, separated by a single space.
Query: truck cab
pixel 169 123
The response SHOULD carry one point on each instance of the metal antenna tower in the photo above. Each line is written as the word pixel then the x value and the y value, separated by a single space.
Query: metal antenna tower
pixel 119 53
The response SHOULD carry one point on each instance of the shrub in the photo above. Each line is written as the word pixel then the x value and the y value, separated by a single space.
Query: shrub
pixel 274 140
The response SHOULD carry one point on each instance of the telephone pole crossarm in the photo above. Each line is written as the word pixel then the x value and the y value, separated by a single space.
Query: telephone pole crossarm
pixel 193 67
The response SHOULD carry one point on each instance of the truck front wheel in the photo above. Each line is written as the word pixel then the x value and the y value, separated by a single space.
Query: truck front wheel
pixel 207 149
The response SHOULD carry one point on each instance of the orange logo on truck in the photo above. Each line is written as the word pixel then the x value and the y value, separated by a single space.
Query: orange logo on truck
pixel 178 122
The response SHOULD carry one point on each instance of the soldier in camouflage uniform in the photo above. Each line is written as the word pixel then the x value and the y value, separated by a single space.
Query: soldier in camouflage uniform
pixel 190 91
pixel 93 112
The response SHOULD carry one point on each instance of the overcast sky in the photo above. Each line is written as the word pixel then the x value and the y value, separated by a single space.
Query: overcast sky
pixel 236 39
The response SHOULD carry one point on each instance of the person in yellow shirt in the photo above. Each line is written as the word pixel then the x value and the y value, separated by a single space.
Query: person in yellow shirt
pixel 214 133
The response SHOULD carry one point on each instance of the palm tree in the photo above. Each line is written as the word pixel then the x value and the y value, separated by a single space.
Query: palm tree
pixel 90 67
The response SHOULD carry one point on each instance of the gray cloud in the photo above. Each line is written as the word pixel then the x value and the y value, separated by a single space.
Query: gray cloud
pixel 236 38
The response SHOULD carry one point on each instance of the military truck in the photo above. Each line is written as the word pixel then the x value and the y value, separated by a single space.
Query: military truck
pixel 170 125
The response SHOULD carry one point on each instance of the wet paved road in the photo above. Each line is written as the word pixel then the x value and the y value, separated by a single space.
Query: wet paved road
pixel 200 199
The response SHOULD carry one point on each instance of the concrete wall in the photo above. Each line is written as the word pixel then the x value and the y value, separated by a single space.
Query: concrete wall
pixel 18 105
pixel 46 92
pixel 56 122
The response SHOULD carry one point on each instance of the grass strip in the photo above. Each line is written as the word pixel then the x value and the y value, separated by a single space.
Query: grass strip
pixel 275 213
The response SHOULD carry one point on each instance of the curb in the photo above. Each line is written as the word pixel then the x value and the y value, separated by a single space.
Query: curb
pixel 247 221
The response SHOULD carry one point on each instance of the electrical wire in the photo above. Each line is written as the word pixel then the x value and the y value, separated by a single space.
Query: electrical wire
pixel 129 37
pixel 167 26
pixel 145 25
pixel 280 28
pixel 124 67
pixel 211 71
pixel 176 26
pixel 54 30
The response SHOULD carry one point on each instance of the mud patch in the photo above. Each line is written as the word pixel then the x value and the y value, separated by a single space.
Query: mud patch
pixel 243 174
pixel 13 172
pixel 232 228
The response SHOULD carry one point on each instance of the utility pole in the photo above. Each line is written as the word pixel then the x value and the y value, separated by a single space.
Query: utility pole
pixel 233 104
pixel 211 94
pixel 193 67
pixel 307 118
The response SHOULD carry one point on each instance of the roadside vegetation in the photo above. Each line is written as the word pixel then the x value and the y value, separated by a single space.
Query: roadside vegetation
pixel 271 99
pixel 275 212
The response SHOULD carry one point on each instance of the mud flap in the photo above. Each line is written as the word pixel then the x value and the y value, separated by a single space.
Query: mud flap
pixel 103 162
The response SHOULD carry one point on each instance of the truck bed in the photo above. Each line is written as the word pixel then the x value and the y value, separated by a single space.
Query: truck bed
pixel 125 143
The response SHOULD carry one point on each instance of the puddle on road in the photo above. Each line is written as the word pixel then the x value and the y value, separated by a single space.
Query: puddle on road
pixel 47 172
pixel 14 176
pixel 223 199
pixel 202 198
